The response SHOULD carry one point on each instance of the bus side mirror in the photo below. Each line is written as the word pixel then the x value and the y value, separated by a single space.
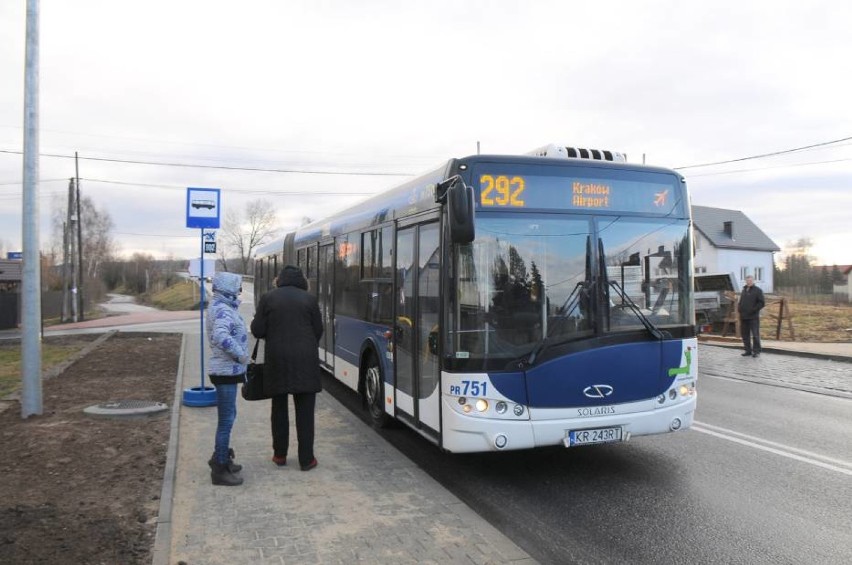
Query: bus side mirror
pixel 459 198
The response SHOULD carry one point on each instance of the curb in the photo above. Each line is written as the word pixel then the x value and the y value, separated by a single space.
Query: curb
pixel 824 356
pixel 163 537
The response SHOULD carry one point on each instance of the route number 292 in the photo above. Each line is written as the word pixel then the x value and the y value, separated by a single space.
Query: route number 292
pixel 501 190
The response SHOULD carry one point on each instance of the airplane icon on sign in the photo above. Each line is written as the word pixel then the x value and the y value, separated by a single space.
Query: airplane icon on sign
pixel 660 198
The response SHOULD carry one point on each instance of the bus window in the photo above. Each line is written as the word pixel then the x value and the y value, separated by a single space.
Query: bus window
pixel 384 254
pixel 348 299
pixel 368 257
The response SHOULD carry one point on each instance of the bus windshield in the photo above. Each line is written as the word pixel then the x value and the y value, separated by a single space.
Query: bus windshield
pixel 566 277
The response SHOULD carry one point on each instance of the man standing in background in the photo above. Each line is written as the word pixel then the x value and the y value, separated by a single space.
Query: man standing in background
pixel 751 303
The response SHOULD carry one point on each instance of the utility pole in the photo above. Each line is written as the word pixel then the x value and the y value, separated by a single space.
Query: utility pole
pixel 72 246
pixel 66 274
pixel 31 397
pixel 69 269
pixel 80 309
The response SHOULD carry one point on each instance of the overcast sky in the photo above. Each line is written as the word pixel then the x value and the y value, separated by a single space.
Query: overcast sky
pixel 395 88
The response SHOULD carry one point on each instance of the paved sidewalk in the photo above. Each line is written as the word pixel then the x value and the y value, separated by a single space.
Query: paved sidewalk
pixel 832 351
pixel 364 503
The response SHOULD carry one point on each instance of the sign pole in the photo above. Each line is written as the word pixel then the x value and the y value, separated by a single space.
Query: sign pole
pixel 202 211
pixel 202 307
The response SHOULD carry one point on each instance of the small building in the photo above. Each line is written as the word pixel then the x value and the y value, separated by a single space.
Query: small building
pixel 11 275
pixel 843 291
pixel 727 241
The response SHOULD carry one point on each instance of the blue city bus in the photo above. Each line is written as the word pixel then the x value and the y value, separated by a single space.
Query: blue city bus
pixel 510 302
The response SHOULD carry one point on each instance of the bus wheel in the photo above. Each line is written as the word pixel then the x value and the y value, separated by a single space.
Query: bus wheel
pixel 374 393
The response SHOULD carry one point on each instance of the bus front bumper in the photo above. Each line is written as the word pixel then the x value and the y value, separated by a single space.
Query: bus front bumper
pixel 467 434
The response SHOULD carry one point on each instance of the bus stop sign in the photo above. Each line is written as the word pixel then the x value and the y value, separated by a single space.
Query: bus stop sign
pixel 202 208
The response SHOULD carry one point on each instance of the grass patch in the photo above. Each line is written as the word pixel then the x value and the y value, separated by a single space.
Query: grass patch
pixel 10 363
pixel 183 295
pixel 811 323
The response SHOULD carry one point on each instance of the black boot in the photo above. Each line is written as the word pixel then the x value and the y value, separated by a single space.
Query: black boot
pixel 222 475
pixel 233 467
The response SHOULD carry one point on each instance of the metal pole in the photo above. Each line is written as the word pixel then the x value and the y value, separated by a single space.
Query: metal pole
pixel 202 310
pixel 72 238
pixel 79 241
pixel 31 401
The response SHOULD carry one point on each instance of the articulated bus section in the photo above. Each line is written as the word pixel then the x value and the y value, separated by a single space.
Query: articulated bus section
pixel 503 302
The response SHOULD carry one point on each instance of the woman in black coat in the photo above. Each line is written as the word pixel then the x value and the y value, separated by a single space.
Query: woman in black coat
pixel 288 317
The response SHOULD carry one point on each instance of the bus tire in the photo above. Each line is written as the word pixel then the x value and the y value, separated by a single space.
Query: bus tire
pixel 374 393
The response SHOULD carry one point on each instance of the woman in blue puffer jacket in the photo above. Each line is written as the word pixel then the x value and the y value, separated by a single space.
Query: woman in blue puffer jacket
pixel 228 337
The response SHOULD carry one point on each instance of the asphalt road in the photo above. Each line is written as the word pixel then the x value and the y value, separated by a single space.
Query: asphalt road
pixel 765 476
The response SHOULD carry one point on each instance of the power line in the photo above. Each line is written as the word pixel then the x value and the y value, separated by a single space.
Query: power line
pixel 765 154
pixel 218 167
pixel 242 190
pixel 154 234
pixel 767 168
pixel 219 146
pixel 19 183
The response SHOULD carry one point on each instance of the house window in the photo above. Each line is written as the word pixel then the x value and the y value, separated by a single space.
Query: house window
pixel 700 270
pixel 758 273
pixel 743 273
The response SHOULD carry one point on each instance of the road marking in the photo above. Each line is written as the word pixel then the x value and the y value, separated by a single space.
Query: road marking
pixel 830 463
pixel 729 379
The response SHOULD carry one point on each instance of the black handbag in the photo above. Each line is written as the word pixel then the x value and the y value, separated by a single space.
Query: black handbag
pixel 253 386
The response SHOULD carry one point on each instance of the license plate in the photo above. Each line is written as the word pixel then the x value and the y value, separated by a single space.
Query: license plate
pixel 592 436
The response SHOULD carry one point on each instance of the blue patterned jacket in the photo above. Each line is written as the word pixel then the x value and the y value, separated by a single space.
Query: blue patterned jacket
pixel 226 329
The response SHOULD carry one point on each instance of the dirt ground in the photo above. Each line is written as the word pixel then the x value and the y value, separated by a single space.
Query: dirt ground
pixel 84 490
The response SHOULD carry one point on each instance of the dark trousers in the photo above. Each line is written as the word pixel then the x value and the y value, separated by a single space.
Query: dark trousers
pixel 226 407
pixel 751 333
pixel 305 403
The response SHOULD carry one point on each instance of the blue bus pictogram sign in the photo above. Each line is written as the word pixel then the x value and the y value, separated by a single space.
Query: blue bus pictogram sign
pixel 202 207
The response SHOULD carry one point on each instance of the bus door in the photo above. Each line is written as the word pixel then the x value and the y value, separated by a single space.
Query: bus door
pixel 418 277
pixel 325 290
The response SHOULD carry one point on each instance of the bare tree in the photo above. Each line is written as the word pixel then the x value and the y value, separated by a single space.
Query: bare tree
pixel 98 245
pixel 243 233
pixel 139 271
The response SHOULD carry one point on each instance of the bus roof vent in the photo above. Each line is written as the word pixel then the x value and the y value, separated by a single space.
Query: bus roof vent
pixel 560 152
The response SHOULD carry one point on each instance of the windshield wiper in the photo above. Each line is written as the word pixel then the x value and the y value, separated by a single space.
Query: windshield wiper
pixel 649 325
pixel 581 290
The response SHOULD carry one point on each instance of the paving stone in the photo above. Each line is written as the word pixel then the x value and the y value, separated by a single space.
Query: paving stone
pixel 364 503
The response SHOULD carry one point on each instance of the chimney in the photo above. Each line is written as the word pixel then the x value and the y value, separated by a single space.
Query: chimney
pixel 729 229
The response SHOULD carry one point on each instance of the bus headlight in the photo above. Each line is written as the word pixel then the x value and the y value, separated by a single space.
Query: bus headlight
pixel 488 407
